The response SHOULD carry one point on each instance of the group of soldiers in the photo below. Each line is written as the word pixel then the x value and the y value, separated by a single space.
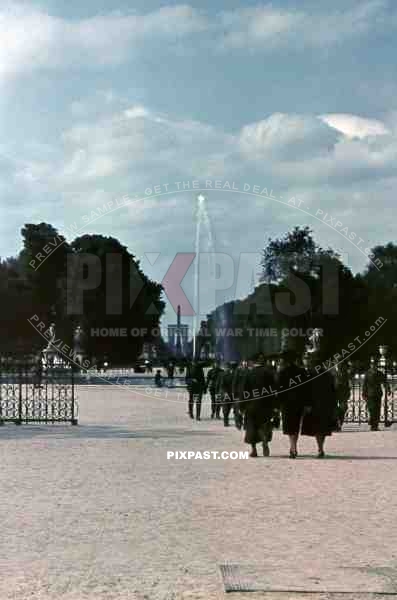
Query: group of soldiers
pixel 219 382
pixel 260 392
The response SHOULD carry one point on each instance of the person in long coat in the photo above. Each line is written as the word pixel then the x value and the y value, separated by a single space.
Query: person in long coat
pixel 170 373
pixel 213 376
pixel 372 393
pixel 293 397
pixel 196 387
pixel 258 406
pixel 238 393
pixel 226 391
pixel 320 418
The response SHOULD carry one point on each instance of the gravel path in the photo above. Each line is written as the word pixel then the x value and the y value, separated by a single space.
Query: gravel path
pixel 97 511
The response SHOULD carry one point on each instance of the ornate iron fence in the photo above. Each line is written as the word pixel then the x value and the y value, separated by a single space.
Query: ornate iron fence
pixel 357 411
pixel 34 392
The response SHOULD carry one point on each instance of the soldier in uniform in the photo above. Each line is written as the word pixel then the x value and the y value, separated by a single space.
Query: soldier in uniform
pixel 170 373
pixel 372 393
pixel 226 391
pixel 188 382
pixel 238 393
pixel 196 388
pixel 258 406
pixel 158 380
pixel 213 376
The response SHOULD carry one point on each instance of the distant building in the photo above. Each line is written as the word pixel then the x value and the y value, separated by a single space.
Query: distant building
pixel 149 351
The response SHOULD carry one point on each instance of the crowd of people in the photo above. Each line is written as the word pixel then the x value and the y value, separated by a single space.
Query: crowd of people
pixel 302 393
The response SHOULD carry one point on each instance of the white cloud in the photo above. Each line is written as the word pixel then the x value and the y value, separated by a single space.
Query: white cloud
pixel 286 137
pixel 266 27
pixel 337 149
pixel 139 147
pixel 32 39
pixel 353 126
pixel 257 26
pixel 350 178
pixel 295 155
pixel 27 37
pixel 136 111
pixel 131 148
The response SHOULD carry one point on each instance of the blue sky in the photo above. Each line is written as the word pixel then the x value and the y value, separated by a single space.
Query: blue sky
pixel 105 98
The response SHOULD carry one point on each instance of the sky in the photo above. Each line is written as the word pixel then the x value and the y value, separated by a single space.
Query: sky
pixel 109 98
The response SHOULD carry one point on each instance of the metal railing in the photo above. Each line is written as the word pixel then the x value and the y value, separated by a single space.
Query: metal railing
pixel 31 392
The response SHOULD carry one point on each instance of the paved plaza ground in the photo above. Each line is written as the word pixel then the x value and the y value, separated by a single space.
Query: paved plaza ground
pixel 98 512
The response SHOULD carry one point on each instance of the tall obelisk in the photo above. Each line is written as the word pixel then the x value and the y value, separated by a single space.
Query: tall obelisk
pixel 178 344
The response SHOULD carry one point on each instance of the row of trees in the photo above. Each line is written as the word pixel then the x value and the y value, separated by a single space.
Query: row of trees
pixel 305 286
pixel 57 282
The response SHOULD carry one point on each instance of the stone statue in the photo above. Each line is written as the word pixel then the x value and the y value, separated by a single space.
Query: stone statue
pixel 52 335
pixel 50 351
pixel 314 341
pixel 78 339
pixel 78 344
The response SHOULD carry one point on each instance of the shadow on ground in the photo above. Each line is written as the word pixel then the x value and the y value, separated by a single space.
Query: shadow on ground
pixel 329 457
pixel 11 431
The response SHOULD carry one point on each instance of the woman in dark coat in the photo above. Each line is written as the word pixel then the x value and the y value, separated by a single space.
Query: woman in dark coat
pixel 320 419
pixel 291 384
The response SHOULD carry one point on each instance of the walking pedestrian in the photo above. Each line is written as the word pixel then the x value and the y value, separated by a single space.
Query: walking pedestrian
pixel 188 382
pixel 258 406
pixel 238 393
pixel 213 378
pixel 226 391
pixel 196 389
pixel 292 394
pixel 158 380
pixel 320 412
pixel 170 373
pixel 374 381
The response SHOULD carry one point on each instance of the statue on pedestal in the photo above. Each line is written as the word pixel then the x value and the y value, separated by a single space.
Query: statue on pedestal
pixel 50 352
pixel 314 341
pixel 78 345
pixel 77 339
pixel 52 335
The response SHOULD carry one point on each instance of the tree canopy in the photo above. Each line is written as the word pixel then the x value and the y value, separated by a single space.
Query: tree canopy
pixel 94 282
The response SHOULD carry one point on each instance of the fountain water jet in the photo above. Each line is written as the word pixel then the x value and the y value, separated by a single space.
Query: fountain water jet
pixel 202 218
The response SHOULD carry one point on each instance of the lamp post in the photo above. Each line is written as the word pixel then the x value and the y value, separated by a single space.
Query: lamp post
pixel 383 360
pixel 383 363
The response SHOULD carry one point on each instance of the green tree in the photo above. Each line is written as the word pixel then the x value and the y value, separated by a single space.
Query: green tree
pixel 16 309
pixel 43 262
pixel 380 276
pixel 295 252
pixel 123 297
